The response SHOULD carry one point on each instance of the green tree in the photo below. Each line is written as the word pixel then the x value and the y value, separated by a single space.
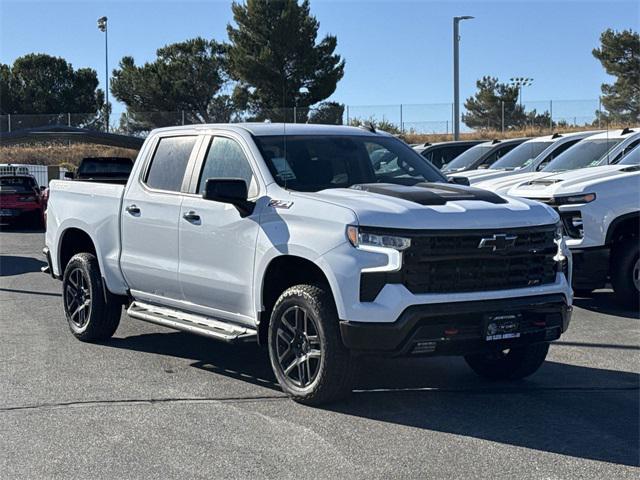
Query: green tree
pixel 185 77
pixel 484 109
pixel 276 61
pixel 41 84
pixel 619 54
pixel 328 113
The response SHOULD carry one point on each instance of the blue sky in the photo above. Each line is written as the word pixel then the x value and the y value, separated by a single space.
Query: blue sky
pixel 396 51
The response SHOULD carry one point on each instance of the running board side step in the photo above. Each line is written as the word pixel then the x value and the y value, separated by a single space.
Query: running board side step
pixel 189 322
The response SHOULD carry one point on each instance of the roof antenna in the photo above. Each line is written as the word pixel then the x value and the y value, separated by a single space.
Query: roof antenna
pixel 371 127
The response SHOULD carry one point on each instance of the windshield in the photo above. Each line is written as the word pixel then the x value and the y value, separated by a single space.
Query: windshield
pixel 105 167
pixel 17 184
pixel 521 156
pixel 310 163
pixel 586 153
pixel 468 158
pixel 631 158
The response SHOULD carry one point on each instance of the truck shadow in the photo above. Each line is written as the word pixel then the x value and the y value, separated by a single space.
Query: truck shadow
pixel 20 228
pixel 571 410
pixel 607 303
pixel 17 265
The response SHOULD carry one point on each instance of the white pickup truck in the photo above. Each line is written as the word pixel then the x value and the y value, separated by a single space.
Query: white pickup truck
pixel 308 240
pixel 600 210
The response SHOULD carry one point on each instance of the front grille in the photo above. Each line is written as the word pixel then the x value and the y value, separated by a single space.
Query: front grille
pixel 447 262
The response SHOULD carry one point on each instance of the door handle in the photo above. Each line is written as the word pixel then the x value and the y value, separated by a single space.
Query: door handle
pixel 191 216
pixel 133 209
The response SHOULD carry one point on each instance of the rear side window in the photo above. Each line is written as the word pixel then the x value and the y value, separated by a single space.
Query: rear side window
pixel 169 163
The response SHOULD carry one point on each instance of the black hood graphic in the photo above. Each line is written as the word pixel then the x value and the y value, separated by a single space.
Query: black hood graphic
pixel 431 193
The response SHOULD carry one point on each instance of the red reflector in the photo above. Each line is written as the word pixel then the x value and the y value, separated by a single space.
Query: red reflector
pixel 539 323
pixel 451 331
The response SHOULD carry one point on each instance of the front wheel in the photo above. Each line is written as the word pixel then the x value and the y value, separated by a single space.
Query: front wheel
pixel 305 347
pixel 625 272
pixel 91 316
pixel 512 364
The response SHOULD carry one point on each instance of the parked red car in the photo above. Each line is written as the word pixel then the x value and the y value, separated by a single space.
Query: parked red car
pixel 21 199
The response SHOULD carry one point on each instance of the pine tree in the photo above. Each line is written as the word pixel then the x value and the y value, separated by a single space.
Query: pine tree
pixel 619 54
pixel 276 61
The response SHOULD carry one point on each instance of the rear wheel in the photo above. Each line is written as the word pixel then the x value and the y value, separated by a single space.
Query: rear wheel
pixel 90 316
pixel 511 364
pixel 307 354
pixel 625 271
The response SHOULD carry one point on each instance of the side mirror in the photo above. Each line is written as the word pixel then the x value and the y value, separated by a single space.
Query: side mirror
pixel 460 181
pixel 43 188
pixel 69 175
pixel 229 190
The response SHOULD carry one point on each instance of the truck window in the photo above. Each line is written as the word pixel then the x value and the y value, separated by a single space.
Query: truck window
pixel 316 162
pixel 169 163
pixel 225 159
pixel 556 152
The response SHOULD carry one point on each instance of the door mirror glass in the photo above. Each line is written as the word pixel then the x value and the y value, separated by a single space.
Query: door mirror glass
pixel 228 190
pixel 69 175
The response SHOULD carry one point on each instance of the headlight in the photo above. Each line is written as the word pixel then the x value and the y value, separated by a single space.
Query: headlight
pixel 359 238
pixel 574 199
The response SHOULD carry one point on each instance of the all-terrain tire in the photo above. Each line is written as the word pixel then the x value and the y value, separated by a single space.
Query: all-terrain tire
pixel 624 268
pixel 99 319
pixel 514 364
pixel 335 368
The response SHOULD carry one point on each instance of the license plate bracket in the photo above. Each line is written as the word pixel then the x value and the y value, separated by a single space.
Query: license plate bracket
pixel 502 326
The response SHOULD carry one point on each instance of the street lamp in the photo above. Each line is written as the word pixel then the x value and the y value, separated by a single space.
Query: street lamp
pixel 456 75
pixel 520 83
pixel 102 26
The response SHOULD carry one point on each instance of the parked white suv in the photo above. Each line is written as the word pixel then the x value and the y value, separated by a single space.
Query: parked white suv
pixel 600 211
pixel 308 240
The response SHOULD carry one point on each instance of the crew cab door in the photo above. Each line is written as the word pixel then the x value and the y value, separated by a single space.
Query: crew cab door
pixel 150 219
pixel 217 243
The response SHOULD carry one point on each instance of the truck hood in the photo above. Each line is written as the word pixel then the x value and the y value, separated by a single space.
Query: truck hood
pixel 476 176
pixel 434 206
pixel 502 184
pixel 574 181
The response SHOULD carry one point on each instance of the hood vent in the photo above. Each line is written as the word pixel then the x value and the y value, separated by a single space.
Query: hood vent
pixel 544 183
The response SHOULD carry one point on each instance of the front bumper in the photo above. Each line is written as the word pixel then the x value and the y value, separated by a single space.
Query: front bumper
pixel 457 328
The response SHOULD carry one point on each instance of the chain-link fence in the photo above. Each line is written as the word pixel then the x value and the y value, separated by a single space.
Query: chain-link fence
pixel 538 116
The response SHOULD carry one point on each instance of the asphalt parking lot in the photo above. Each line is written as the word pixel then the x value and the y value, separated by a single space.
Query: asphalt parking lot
pixel 154 403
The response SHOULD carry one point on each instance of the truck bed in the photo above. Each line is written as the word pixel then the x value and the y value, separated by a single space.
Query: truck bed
pixel 95 209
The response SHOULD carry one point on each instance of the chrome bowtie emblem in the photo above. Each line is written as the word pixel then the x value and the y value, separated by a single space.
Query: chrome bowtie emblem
pixel 498 242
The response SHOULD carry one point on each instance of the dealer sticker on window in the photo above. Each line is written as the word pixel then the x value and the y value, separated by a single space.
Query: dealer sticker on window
pixel 502 327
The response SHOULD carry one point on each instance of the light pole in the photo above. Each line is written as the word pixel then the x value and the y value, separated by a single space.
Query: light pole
pixel 456 76
pixel 102 26
pixel 520 83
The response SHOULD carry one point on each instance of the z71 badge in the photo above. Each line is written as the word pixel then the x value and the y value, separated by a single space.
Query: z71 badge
pixel 280 203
